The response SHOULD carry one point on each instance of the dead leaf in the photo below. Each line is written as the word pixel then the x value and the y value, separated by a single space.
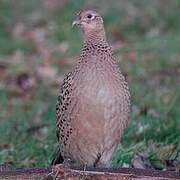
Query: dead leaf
pixel 18 30
pixel 132 56
pixel 54 4
pixel 41 134
pixel 25 81
pixel 166 152
pixel 140 161
pixel 47 71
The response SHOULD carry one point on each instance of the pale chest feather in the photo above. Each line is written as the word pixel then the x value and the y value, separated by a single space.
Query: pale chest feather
pixel 100 81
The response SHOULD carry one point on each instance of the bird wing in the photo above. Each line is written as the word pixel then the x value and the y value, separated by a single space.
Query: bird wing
pixel 62 106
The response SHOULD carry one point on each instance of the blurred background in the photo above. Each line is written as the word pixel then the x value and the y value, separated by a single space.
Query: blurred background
pixel 38 46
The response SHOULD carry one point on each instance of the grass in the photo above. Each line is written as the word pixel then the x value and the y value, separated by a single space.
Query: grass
pixel 149 55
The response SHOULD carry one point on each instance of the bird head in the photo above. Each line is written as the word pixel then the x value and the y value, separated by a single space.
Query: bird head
pixel 90 22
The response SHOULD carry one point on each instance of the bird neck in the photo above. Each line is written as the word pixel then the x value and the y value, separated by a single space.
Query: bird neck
pixel 95 38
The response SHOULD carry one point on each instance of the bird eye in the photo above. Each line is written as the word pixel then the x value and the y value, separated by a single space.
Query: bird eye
pixel 89 16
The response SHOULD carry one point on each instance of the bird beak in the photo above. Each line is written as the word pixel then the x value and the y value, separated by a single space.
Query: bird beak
pixel 76 22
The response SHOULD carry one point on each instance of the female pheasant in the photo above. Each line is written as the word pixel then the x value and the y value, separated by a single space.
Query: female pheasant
pixel 94 102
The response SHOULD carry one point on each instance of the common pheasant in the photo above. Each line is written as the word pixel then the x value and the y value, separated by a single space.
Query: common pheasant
pixel 94 102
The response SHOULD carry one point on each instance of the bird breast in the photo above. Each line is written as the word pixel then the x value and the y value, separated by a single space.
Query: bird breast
pixel 99 86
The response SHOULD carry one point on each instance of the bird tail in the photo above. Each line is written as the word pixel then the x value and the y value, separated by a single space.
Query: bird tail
pixel 58 159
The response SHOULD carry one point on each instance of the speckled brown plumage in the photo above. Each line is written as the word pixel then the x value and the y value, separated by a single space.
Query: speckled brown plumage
pixel 94 102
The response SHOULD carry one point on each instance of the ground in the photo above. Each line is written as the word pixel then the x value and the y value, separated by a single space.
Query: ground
pixel 38 46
